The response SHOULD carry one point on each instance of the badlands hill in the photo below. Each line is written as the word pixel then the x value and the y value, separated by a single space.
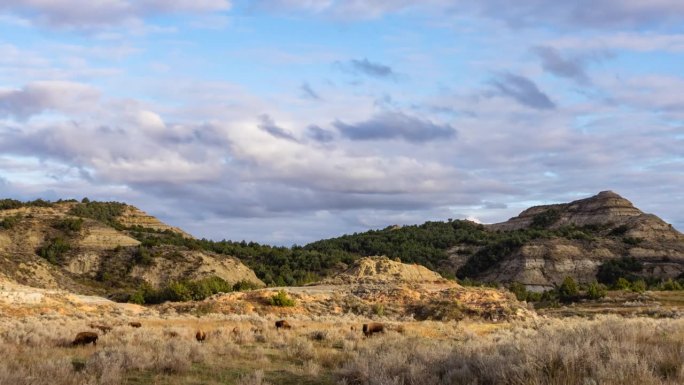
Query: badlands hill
pixel 538 248
pixel 373 287
pixel 104 248
pixel 608 227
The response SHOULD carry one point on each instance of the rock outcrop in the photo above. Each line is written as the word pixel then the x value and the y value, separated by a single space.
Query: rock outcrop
pixel 616 229
pixel 382 270
pixel 49 247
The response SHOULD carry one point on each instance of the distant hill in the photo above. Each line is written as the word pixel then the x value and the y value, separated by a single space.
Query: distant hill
pixel 99 248
pixel 538 248
pixel 115 249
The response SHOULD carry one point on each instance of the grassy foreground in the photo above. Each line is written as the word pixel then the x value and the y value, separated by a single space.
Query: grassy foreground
pixel 249 350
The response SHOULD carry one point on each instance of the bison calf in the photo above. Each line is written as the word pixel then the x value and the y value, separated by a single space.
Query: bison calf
pixel 372 328
pixel 200 336
pixel 282 324
pixel 85 338
pixel 134 324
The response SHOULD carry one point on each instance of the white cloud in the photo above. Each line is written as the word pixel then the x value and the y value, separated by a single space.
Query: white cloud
pixel 87 14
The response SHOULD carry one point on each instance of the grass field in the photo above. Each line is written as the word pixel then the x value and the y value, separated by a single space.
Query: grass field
pixel 249 350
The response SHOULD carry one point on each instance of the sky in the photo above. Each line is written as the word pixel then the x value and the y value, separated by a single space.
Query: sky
pixel 288 121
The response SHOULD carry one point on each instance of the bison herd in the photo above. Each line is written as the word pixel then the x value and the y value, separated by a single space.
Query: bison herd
pixel 85 338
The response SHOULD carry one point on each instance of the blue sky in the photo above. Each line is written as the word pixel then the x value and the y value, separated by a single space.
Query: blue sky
pixel 286 121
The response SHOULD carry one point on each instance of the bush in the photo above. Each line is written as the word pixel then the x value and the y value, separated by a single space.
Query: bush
pixel 610 271
pixel 181 291
pixel 568 290
pixel 670 285
pixel 245 286
pixel 282 299
pixel 105 212
pixel 596 291
pixel 632 241
pixel 55 250
pixel 10 222
pixel 519 290
pixel 545 219
pixel 622 284
pixel 143 256
pixel 69 225
pixel 639 286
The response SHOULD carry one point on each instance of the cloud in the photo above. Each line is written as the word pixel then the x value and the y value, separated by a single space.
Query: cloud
pixel 319 134
pixel 367 68
pixel 86 14
pixel 38 97
pixel 308 92
pixel 553 62
pixel 395 125
pixel 570 67
pixel 578 13
pixel 268 125
pixel 522 90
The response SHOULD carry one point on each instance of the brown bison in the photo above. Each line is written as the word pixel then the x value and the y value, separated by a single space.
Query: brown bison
pixel 85 338
pixel 200 336
pixel 103 328
pixel 282 324
pixel 134 324
pixel 372 328
pixel 171 333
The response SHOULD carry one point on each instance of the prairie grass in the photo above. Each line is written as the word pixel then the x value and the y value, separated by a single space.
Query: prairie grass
pixel 249 350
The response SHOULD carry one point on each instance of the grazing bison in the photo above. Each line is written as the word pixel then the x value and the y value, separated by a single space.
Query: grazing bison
pixel 85 338
pixel 134 324
pixel 200 336
pixel 282 324
pixel 372 328
pixel 171 333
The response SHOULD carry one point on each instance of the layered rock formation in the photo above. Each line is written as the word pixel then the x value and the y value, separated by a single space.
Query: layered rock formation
pixel 49 247
pixel 617 229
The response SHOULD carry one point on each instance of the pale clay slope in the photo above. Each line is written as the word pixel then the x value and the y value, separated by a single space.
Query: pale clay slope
pixel 90 248
pixel 384 270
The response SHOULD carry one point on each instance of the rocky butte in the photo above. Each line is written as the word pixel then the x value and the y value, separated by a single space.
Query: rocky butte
pixel 607 227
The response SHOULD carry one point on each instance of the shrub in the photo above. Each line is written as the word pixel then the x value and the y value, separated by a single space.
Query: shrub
pixel 69 225
pixel 545 219
pixel 639 286
pixel 610 271
pixel 378 309
pixel 143 256
pixel 282 299
pixel 568 290
pixel 245 285
pixel 670 285
pixel 10 222
pixel 632 241
pixel 622 284
pixel 519 290
pixel 105 212
pixel 54 250
pixel 596 291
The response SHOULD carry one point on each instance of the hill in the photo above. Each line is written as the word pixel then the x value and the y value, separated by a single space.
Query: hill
pixel 100 248
pixel 373 287
pixel 588 239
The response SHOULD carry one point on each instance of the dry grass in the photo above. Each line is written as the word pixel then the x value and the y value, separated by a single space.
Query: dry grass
pixel 249 350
